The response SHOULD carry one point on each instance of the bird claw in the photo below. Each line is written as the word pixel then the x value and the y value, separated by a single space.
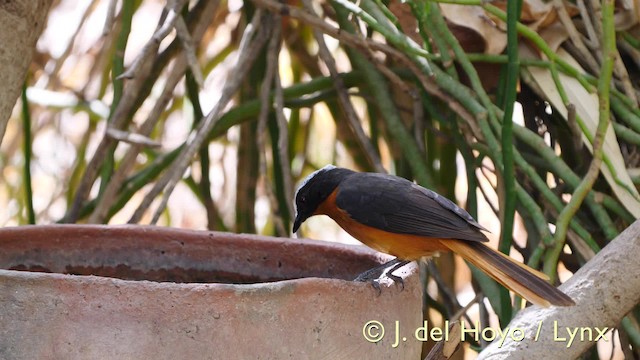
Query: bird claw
pixel 373 275
pixel 376 285
pixel 396 280
pixel 370 275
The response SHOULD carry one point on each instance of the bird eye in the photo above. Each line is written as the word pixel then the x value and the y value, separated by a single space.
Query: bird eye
pixel 303 199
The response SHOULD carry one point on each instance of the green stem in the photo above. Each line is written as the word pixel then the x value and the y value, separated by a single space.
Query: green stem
pixel 536 256
pixel 541 186
pixel 513 68
pixel 606 72
pixel 625 114
pixel 26 128
pixel 440 25
pixel 626 134
pixel 631 39
pixel 378 22
pixel 561 169
pixel 508 173
pixel 632 331
pixel 379 88
pixel 541 44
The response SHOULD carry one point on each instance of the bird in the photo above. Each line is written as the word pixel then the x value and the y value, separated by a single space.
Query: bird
pixel 398 217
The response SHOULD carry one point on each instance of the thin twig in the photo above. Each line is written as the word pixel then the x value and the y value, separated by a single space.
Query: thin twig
pixel 61 60
pixel 493 207
pixel 458 314
pixel 592 37
pixel 250 46
pixel 449 295
pixel 343 97
pixel 109 20
pixel 367 44
pixel 629 50
pixel 283 133
pixel 263 117
pixel 109 195
pixel 132 138
pixel 124 100
pixel 575 36
pixel 621 73
pixel 128 161
pixel 151 47
pixel 189 50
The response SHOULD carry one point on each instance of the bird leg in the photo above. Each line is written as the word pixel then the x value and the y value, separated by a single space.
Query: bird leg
pixel 375 273
pixel 397 279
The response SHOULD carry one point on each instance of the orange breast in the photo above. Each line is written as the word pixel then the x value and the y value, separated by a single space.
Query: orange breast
pixel 403 246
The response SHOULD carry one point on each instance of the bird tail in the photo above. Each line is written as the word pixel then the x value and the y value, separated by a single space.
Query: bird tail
pixel 523 280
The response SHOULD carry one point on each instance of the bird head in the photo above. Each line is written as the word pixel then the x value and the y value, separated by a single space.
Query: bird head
pixel 315 189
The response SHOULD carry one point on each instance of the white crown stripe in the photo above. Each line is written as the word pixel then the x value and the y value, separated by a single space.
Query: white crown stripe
pixel 307 179
pixel 310 176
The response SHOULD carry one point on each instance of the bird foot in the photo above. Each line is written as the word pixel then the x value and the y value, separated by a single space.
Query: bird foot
pixel 373 275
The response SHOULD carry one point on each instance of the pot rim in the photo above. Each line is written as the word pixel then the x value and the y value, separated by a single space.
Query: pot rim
pixel 360 252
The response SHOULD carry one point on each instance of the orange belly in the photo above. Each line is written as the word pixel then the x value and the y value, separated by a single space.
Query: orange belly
pixel 403 246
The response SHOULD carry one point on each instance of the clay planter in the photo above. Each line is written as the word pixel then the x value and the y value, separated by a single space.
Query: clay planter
pixel 129 292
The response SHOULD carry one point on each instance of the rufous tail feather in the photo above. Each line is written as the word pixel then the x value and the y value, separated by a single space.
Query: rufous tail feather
pixel 521 279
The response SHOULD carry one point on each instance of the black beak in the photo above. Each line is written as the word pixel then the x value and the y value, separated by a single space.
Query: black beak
pixel 296 223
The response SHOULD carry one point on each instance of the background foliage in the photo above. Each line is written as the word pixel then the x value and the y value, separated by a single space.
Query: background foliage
pixel 227 105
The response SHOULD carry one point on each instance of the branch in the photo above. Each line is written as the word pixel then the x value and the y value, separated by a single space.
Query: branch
pixel 605 290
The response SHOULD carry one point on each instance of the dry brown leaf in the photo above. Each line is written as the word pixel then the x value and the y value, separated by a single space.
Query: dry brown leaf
pixel 536 14
pixel 474 18
pixel 627 14
pixel 554 35
pixel 539 12
pixel 407 21
pixel 587 108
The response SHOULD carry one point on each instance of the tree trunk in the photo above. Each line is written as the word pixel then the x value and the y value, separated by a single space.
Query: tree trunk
pixel 21 22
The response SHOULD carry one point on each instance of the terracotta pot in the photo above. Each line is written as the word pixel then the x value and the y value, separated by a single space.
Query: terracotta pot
pixel 130 292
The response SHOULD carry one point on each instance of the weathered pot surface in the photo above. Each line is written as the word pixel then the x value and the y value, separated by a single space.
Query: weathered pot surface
pixel 134 292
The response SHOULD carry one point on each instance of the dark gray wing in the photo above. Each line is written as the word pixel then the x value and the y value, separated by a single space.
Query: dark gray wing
pixel 397 205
